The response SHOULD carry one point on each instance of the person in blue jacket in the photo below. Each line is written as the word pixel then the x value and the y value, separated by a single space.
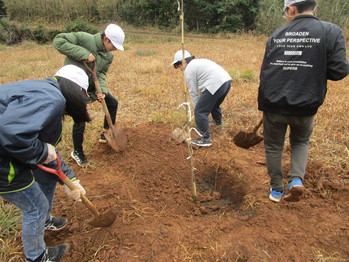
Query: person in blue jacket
pixel 299 59
pixel 31 114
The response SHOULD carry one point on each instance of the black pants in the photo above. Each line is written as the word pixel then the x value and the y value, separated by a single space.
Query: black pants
pixel 78 130
pixel 210 104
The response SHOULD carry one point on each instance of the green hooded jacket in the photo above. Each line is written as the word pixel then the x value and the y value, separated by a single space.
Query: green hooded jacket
pixel 77 47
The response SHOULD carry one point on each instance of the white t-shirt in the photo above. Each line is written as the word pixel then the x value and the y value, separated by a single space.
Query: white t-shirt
pixel 204 74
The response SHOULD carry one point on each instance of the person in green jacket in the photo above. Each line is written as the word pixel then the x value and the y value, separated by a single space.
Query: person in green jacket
pixel 79 47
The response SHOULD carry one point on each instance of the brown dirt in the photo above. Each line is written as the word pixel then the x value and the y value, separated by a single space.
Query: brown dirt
pixel 149 187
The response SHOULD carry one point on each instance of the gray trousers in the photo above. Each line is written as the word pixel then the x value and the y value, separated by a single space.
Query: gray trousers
pixel 274 130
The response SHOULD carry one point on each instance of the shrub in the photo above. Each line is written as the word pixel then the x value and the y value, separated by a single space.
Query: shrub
pixel 11 34
pixel 81 24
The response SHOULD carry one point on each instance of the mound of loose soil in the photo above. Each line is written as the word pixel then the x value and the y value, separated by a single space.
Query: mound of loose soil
pixel 149 187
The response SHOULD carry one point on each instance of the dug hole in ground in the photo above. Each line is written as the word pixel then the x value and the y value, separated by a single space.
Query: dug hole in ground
pixel 149 187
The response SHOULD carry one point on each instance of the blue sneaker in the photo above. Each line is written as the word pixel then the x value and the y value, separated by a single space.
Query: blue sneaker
pixel 295 190
pixel 275 196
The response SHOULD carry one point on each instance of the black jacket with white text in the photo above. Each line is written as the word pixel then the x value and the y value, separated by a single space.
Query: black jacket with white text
pixel 298 60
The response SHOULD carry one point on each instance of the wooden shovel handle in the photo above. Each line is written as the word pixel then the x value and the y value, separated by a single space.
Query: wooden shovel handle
pixel 84 199
pixel 99 90
pixel 258 125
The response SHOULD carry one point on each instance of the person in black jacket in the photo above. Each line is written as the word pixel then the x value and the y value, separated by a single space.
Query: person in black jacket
pixel 31 114
pixel 299 59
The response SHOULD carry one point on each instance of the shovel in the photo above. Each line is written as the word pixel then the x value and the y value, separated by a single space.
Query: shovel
pixel 247 140
pixel 116 137
pixel 179 134
pixel 99 220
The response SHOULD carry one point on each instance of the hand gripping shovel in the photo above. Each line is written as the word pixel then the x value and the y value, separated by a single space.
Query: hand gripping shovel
pixel 116 137
pixel 99 220
pixel 247 140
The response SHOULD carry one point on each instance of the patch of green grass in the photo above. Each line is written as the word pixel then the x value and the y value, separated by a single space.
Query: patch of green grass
pixel 126 47
pixel 26 59
pixel 176 118
pixel 29 44
pixel 247 75
pixel 171 39
pixel 140 39
pixel 9 217
pixel 151 69
pixel 10 250
pixel 158 117
pixel 145 52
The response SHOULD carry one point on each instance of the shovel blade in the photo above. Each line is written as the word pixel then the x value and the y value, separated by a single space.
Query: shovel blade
pixel 246 140
pixel 179 135
pixel 103 220
pixel 116 138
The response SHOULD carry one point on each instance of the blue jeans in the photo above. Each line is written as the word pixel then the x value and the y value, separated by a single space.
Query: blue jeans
pixel 34 206
pixel 210 104
pixel 48 181
pixel 274 130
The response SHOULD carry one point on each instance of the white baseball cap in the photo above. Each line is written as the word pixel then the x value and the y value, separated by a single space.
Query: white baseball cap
pixel 116 36
pixel 178 57
pixel 74 74
pixel 291 2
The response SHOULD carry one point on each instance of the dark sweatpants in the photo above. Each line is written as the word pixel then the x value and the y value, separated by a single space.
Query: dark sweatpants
pixel 78 130
pixel 210 104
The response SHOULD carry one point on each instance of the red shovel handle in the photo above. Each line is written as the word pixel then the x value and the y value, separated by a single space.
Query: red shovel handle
pixel 59 173
pixel 69 184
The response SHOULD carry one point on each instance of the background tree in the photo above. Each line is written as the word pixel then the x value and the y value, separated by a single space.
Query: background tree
pixel 269 16
pixel 212 16
pixel 2 9
pixel 335 11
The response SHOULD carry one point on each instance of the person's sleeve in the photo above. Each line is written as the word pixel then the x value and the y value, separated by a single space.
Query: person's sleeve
pixel 193 90
pixel 192 85
pixel 21 124
pixel 70 44
pixel 67 171
pixel 337 63
pixel 102 74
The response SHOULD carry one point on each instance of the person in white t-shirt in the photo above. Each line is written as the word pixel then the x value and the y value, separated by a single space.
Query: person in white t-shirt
pixel 208 84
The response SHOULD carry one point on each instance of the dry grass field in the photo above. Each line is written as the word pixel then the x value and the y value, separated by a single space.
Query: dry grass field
pixel 149 184
pixel 149 89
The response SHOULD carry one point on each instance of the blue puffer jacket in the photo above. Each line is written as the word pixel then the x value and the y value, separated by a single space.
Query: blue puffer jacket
pixel 30 116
